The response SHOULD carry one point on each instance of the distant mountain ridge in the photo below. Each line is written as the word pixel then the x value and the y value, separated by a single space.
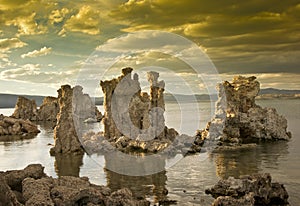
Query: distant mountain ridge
pixel 9 100
pixel 278 91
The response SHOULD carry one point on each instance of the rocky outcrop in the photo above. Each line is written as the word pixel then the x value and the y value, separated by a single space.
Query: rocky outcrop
pixel 239 119
pixel 25 109
pixel 134 118
pixel 183 144
pixel 250 190
pixel 48 110
pixel 74 108
pixel 32 186
pixel 13 126
pixel 65 135
pixel 11 184
pixel 84 108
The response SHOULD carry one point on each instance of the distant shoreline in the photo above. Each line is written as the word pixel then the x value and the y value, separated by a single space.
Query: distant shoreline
pixel 9 100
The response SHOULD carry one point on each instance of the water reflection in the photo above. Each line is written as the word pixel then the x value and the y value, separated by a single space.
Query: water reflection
pixel 68 164
pixel 46 126
pixel 11 139
pixel 141 186
pixel 248 161
pixel 46 129
pixel 151 185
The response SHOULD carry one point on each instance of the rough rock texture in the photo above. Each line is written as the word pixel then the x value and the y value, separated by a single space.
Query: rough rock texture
pixel 48 110
pixel 74 108
pixel 25 109
pixel 251 190
pixel 65 135
pixel 32 186
pixel 133 117
pixel 239 119
pixel 13 126
pixel 11 184
pixel 183 144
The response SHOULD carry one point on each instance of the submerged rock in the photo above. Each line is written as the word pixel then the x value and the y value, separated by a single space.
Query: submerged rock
pixel 32 186
pixel 25 109
pixel 249 190
pixel 13 126
pixel 238 119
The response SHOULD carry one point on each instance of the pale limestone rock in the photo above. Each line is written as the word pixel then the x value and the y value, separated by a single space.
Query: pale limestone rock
pixel 83 107
pixel 134 114
pixel 238 119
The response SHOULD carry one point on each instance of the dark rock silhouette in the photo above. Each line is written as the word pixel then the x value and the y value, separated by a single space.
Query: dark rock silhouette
pixel 249 190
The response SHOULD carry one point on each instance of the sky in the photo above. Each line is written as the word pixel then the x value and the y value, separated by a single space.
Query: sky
pixel 47 43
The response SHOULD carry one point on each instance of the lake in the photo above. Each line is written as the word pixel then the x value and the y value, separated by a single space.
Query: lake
pixel 184 181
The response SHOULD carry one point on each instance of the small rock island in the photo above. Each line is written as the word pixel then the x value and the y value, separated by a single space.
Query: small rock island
pixel 238 119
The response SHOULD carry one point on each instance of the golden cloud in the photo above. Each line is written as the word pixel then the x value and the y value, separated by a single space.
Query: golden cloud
pixel 86 21
pixel 12 43
pixel 42 52
pixel 57 15
pixel 9 4
pixel 27 25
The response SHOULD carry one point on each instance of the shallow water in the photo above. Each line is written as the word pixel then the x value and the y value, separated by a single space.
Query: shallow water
pixel 186 180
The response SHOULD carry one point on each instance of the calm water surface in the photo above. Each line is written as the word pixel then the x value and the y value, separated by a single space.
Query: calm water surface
pixel 185 181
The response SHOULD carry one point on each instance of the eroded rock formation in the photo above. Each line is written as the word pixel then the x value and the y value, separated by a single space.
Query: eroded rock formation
pixel 65 135
pixel 239 119
pixel 132 117
pixel 25 109
pixel 249 190
pixel 48 110
pixel 13 126
pixel 74 108
pixel 32 186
